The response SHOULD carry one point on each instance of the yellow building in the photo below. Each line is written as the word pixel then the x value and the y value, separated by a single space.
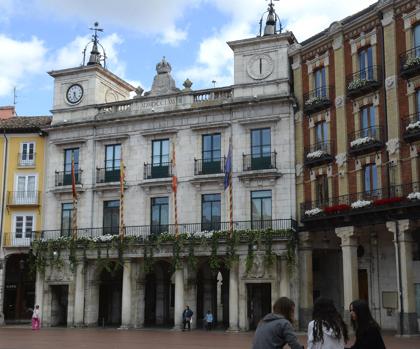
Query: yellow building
pixel 22 149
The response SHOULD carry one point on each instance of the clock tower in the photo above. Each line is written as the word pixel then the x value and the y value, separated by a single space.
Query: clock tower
pixel 261 64
pixel 84 87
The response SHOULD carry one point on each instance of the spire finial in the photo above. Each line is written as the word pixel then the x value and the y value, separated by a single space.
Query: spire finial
pixel 271 21
pixel 95 56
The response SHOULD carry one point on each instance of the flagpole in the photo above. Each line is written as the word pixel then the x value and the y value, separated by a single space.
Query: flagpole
pixel 175 189
pixel 74 194
pixel 122 179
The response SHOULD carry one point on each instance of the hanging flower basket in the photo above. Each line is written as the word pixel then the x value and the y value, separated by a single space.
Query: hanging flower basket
pixel 413 196
pixel 316 154
pixel 314 212
pixel 361 141
pixel 361 204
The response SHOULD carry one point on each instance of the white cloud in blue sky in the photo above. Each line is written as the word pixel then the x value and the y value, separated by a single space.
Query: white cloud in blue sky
pixel 192 34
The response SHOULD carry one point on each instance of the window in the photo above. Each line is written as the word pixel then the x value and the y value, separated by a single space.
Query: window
pixel 27 154
pixel 23 226
pixel 321 188
pixel 112 162
pixel 261 209
pixel 367 122
pixel 111 219
pixel 160 158
pixel 159 215
pixel 416 39
pixel 211 153
pixel 210 212
pixel 366 64
pixel 320 83
pixel 321 132
pixel 66 218
pixel 370 180
pixel 260 148
pixel 25 190
pixel 69 155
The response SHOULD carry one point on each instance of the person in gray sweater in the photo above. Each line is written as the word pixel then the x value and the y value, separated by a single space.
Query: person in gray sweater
pixel 275 330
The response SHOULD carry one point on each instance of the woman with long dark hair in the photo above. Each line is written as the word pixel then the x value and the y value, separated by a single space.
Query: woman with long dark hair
pixel 275 329
pixel 368 332
pixel 327 330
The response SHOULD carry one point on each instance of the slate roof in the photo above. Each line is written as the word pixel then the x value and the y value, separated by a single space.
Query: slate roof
pixel 24 124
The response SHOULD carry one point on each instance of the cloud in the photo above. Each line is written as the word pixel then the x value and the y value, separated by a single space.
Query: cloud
pixel 18 60
pixel 147 17
pixel 304 17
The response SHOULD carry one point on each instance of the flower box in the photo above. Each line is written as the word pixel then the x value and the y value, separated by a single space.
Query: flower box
pixel 381 202
pixel 361 141
pixel 313 212
pixel 411 62
pixel 336 209
pixel 316 154
pixel 361 204
pixel 414 196
pixel 356 84
pixel 315 100
pixel 412 126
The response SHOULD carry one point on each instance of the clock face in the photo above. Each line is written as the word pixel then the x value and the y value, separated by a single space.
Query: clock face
pixel 260 66
pixel 74 94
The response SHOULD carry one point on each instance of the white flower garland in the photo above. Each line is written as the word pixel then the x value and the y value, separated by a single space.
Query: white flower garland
pixel 413 125
pixel 414 196
pixel 357 83
pixel 316 154
pixel 314 100
pixel 361 204
pixel 360 141
pixel 315 211
pixel 412 61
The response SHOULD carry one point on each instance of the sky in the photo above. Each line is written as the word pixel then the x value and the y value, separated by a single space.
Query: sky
pixel 37 36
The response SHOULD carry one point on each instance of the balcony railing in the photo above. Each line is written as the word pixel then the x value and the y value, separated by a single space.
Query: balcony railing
pixel 281 230
pixel 363 202
pixel 212 95
pixel 319 153
pixel 107 175
pixel 26 159
pixel 411 127
pixel 364 81
pixel 155 171
pixel 317 99
pixel 209 166
pixel 24 239
pixel 23 198
pixel 64 178
pixel 255 162
pixel 410 63
pixel 366 140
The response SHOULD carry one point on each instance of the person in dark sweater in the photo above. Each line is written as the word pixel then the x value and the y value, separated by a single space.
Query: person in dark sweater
pixel 275 329
pixel 368 332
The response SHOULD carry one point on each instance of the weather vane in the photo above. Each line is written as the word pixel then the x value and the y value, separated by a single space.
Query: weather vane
pixel 272 18
pixel 95 55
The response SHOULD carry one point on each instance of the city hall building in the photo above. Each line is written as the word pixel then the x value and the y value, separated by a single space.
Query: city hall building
pixel 319 141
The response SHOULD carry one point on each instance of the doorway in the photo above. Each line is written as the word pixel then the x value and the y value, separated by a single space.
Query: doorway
pixel 363 284
pixel 259 302
pixel 59 303
pixel 110 296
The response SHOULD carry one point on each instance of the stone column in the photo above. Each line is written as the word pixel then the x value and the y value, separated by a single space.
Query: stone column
pixel 138 297
pixel 2 282
pixel 306 280
pixel 284 280
pixel 233 298
pixel 179 298
pixel 350 266
pixel 79 297
pixel 404 264
pixel 126 296
pixel 39 293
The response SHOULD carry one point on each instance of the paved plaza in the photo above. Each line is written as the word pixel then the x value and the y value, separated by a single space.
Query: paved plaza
pixel 63 338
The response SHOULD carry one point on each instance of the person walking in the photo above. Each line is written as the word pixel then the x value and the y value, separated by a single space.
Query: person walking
pixel 209 320
pixel 327 330
pixel 186 317
pixel 275 329
pixel 368 332
pixel 36 318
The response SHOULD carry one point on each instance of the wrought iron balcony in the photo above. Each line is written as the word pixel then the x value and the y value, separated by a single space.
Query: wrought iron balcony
pixel 364 81
pixel 23 198
pixel 383 199
pixel 410 63
pixel 317 99
pixel 64 178
pixel 319 153
pixel 107 175
pixel 155 171
pixel 26 159
pixel 19 239
pixel 212 166
pixel 366 140
pixel 281 229
pixel 255 162
pixel 410 128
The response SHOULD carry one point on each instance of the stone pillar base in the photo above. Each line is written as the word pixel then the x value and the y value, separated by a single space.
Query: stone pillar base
pixel 410 324
pixel 2 323
pixel 305 316
pixel 233 330
pixel 124 327
pixel 178 328
pixel 79 325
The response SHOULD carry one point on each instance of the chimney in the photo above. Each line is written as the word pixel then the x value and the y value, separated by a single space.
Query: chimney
pixel 7 112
